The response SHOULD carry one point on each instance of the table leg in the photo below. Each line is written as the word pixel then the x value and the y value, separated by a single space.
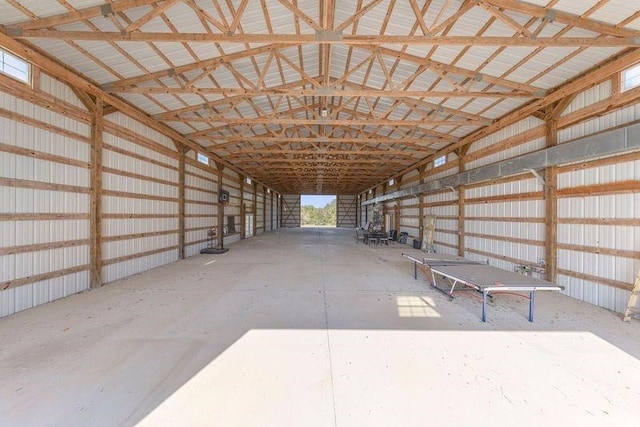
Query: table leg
pixel 415 270
pixel 484 306
pixel 531 304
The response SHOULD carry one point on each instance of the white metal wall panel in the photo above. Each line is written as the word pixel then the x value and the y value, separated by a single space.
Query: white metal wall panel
pixel 446 236
pixel 201 208
pixel 127 122
pixel 125 251
pixel 598 124
pixel 498 240
pixel 599 237
pixel 589 97
pixel 510 131
pixel 231 183
pixel 21 264
pixel 346 210
pixel 409 217
pixel 60 90
pixel 275 219
pixel 268 207
pixel 527 147
pixel 260 211
pixel 248 201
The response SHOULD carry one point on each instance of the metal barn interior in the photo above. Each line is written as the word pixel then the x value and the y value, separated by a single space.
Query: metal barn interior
pixel 136 133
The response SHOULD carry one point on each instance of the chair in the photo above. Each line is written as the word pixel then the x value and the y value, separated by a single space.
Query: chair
pixel 359 234
pixel 384 238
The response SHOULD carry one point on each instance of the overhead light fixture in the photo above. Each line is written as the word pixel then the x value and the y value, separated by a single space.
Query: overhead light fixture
pixel 324 112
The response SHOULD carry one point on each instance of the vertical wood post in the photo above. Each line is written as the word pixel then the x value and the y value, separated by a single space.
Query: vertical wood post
pixel 95 214
pixel 242 209
pixel 264 209
pixel 421 205
pixel 461 215
pixel 221 233
pixel 181 203
pixel 255 208
pixel 551 206
pixel 280 211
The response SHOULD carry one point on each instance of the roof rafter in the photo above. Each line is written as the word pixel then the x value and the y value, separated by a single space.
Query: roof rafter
pixel 563 18
pixel 302 39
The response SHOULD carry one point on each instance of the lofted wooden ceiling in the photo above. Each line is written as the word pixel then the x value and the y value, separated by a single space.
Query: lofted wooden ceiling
pixel 328 96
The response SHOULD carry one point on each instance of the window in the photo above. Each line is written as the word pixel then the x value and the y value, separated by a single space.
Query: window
pixel 439 161
pixel 203 159
pixel 392 182
pixel 15 67
pixel 631 77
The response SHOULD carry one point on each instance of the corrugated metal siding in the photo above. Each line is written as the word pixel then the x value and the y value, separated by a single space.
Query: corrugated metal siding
pixel 277 214
pixel 599 236
pixel 125 247
pixel 444 206
pixel 268 207
pixel 231 183
pixel 612 207
pixel 201 206
pixel 260 210
pixel 18 200
pixel 599 124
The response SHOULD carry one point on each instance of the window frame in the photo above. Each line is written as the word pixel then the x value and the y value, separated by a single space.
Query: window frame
pixel 624 80
pixel 28 80
pixel 440 161
pixel 201 156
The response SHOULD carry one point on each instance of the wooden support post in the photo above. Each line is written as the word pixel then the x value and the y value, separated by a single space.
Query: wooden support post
pixel 221 233
pixel 421 206
pixel 242 210
pixel 280 209
pixel 551 204
pixel 461 213
pixel 461 221
pixel 255 208
pixel 264 209
pixel 95 215
pixel 462 166
pixel 181 203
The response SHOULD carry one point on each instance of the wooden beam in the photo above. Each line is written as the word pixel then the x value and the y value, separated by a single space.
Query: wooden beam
pixel 371 41
pixel 155 12
pixel 300 14
pixel 208 64
pixel 360 153
pixel 596 74
pixel 55 69
pixel 320 92
pixel 80 15
pixel 564 18
pixel 329 122
pixel 95 214
pixel 553 113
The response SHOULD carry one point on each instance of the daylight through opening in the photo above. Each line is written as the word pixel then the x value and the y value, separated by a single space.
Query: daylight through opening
pixel 318 211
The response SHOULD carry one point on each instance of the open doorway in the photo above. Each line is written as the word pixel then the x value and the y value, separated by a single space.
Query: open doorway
pixel 318 211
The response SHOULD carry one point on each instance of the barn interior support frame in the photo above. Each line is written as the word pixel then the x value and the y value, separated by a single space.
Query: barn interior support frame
pixel 609 143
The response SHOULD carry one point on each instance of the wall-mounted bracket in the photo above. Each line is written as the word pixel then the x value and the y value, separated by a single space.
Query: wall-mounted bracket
pixel 537 175
pixel 455 192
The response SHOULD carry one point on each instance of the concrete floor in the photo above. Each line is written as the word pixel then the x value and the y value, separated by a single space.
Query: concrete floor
pixel 305 327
